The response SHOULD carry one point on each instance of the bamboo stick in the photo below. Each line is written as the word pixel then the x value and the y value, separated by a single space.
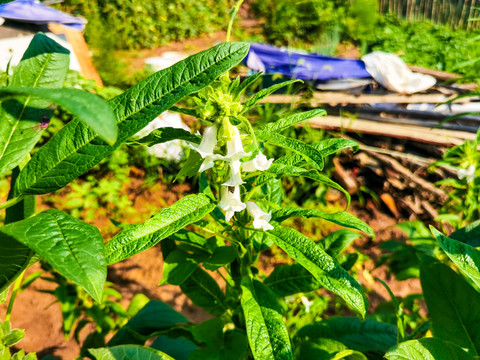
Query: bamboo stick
pixel 470 15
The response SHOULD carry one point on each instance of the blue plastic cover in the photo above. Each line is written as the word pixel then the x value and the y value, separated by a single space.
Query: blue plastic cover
pixel 32 11
pixel 305 66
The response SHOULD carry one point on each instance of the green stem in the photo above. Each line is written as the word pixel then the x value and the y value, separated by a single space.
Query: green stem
pixel 214 233
pixel 17 285
pixel 227 281
pixel 230 23
pixel 252 133
pixel 10 202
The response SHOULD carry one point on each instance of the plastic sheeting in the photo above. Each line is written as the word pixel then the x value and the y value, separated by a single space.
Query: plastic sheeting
pixel 34 12
pixel 305 66
pixel 172 150
pixel 392 73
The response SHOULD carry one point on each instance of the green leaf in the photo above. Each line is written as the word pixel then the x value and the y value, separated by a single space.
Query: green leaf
pixel 280 169
pixel 154 316
pixel 337 241
pixel 292 279
pixel 341 218
pixel 14 256
pixel 191 166
pixel 137 238
pixel 331 146
pixel 246 83
pixel 312 155
pixel 178 348
pixel 427 349
pixel 44 65
pixel 209 332
pixel 466 258
pixel 129 352
pixel 87 107
pixel 233 347
pixel 75 249
pixel 453 306
pixel 222 256
pixel 284 123
pixel 272 189
pixel 322 266
pixel 181 110
pixel 13 337
pixel 14 259
pixel 204 291
pixel 414 229
pixel 266 331
pixel 162 135
pixel 265 92
pixel 365 336
pixel 178 266
pixel 469 235
pixel 325 147
pixel 190 237
pixel 75 149
pixel 327 349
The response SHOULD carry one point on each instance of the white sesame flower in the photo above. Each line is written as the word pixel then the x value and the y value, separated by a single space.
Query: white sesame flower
pixel 235 147
pixel 230 201
pixel 468 173
pixel 307 303
pixel 235 178
pixel 260 218
pixel 206 147
pixel 260 163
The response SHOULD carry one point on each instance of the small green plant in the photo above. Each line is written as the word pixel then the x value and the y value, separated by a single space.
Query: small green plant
pixel 8 338
pixel 236 215
pixel 462 206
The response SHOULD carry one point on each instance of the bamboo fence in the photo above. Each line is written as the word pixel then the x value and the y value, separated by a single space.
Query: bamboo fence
pixel 456 13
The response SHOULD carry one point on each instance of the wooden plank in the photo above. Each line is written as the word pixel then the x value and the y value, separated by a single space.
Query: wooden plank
pixel 440 75
pixel 336 98
pixel 75 38
pixel 410 132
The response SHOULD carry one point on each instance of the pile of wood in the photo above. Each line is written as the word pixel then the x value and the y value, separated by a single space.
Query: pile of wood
pixel 393 167
pixel 395 174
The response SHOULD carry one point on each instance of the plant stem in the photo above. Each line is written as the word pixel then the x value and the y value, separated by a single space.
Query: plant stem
pixel 17 285
pixel 227 281
pixel 10 202
pixel 230 23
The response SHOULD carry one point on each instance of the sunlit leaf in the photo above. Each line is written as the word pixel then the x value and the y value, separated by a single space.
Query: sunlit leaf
pixel 75 249
pixel 453 306
pixel 322 266
pixel 266 331
pixel 137 238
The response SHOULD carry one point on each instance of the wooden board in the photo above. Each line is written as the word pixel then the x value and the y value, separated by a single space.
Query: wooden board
pixel 409 132
pixel 440 75
pixel 75 38
pixel 336 98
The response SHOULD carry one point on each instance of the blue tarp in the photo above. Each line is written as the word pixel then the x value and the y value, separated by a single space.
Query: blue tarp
pixel 34 12
pixel 305 66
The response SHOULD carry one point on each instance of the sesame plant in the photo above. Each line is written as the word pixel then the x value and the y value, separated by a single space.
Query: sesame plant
pixel 235 216
pixel 72 247
pixel 462 205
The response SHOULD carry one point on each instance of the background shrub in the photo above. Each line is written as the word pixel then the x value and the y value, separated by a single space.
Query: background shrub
pixel 150 22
